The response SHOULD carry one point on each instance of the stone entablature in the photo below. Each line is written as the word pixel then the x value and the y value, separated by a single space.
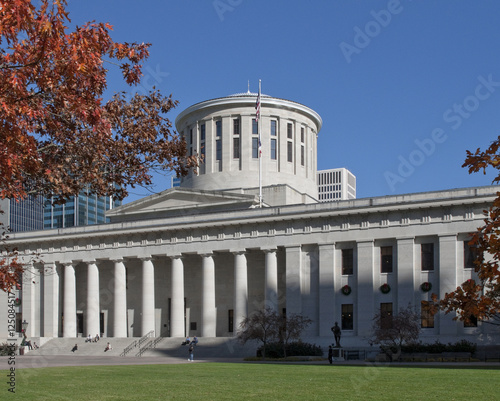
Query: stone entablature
pixel 348 217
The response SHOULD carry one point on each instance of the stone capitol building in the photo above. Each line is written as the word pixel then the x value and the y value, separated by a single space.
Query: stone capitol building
pixel 196 259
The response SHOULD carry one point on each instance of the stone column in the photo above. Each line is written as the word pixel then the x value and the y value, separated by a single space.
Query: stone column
pixel 208 311
pixel 240 289
pixel 447 273
pixel 293 279
pixel 119 299
pixel 50 301
pixel 93 308
pixel 28 298
pixel 271 279
pixel 404 269
pixel 69 305
pixel 177 328
pixel 148 296
pixel 328 288
pixel 365 308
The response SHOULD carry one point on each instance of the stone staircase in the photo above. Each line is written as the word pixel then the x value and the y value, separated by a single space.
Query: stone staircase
pixel 63 346
pixel 208 347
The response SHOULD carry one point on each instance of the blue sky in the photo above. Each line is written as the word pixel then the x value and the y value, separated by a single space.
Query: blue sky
pixel 404 87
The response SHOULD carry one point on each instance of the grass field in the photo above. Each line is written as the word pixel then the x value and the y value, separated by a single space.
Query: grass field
pixel 240 381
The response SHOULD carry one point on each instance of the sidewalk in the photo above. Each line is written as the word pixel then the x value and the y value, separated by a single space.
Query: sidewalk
pixel 45 361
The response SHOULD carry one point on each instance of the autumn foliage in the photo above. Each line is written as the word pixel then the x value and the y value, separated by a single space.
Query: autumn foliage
pixel 58 136
pixel 480 298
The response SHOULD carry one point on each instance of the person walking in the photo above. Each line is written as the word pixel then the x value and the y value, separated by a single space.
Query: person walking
pixel 330 354
pixel 191 351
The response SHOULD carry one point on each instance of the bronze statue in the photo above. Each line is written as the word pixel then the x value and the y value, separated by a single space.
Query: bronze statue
pixel 337 334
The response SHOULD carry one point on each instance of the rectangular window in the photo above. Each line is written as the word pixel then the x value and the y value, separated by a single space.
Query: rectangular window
pixel 273 127
pixel 290 152
pixel 426 317
pixel 347 317
pixel 302 155
pixel 218 128
pixel 386 315
pixel 289 131
pixel 191 136
pixel 202 132
pixel 255 127
pixel 427 253
pixel 236 148
pixel 273 149
pixel 386 259
pixel 255 148
pixel 302 136
pixel 236 126
pixel 347 261
pixel 469 256
pixel 230 320
pixel 218 149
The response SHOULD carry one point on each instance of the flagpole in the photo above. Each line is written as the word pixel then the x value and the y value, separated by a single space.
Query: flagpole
pixel 260 150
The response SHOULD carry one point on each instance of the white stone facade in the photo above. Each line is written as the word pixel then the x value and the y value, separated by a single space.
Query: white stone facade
pixel 195 261
pixel 131 277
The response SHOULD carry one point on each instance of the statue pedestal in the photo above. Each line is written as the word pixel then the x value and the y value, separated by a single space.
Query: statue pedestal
pixel 338 354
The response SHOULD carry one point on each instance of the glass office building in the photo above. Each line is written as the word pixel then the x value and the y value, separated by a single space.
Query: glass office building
pixel 25 215
pixel 78 211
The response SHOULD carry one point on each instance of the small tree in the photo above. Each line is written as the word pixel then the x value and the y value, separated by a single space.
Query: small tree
pixel 291 328
pixel 261 325
pixel 480 299
pixel 391 332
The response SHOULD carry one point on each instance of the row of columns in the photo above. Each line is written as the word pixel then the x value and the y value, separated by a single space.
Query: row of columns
pixel 177 327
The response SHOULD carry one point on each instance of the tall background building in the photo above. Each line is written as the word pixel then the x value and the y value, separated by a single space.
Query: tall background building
pixel 336 184
pixel 38 213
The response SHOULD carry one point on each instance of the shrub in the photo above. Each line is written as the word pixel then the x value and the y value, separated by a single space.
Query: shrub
pixel 298 348
pixel 6 349
pixel 437 347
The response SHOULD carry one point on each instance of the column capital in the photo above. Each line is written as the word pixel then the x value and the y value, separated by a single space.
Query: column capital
pixel 67 263
pixel 206 254
pixel 50 265
pixel 238 252
pixel 90 262
pixel 146 258
pixel 269 250
pixel 178 256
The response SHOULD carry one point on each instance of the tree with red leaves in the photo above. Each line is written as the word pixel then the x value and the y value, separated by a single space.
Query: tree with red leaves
pixel 480 298
pixel 58 136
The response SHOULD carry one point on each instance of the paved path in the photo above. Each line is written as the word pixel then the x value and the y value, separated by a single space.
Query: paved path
pixel 41 361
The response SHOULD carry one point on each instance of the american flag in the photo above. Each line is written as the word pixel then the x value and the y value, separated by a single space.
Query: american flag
pixel 260 149
pixel 257 107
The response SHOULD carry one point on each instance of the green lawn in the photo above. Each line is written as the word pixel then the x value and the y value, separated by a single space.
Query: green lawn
pixel 218 381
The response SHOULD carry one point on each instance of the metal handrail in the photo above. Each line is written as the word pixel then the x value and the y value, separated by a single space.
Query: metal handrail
pixel 145 337
pixel 129 348
pixel 144 349
pixel 137 343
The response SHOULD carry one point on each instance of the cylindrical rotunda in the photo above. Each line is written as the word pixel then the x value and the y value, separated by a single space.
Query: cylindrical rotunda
pixel 224 132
